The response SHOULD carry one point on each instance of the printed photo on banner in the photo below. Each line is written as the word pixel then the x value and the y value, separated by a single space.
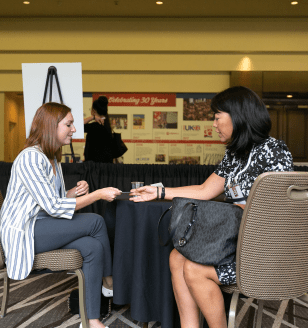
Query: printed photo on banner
pixel 160 158
pixel 208 132
pixel 118 121
pixel 138 121
pixel 165 120
pixel 194 160
pixel 197 109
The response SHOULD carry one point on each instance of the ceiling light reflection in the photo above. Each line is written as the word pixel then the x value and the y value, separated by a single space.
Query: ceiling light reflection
pixel 245 64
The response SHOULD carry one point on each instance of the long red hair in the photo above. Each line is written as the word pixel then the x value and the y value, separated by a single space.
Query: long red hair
pixel 43 131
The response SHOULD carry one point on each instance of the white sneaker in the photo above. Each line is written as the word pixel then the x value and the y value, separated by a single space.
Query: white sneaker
pixel 107 292
pixel 81 325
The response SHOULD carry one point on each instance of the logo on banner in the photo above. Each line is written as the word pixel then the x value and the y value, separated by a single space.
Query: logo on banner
pixel 208 132
pixel 191 127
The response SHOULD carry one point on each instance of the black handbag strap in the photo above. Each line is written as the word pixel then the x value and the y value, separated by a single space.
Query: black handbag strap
pixel 159 222
pixel 177 220
pixel 183 240
pixel 234 200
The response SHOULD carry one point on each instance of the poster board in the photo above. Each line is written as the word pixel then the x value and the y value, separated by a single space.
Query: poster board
pixel 160 128
pixel 34 77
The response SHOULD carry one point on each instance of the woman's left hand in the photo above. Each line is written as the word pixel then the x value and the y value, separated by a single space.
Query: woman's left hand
pixel 82 188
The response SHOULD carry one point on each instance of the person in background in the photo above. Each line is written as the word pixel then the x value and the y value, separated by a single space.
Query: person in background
pixel 38 215
pixel 98 146
pixel 243 124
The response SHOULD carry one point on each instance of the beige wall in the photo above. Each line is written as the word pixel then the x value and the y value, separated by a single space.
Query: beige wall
pixel 175 55
pixel 14 126
pixel 152 55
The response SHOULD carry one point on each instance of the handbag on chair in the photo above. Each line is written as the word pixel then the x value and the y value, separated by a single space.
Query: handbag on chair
pixel 203 231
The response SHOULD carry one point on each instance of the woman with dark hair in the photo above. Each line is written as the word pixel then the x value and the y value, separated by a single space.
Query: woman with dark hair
pixel 243 124
pixel 98 146
pixel 38 215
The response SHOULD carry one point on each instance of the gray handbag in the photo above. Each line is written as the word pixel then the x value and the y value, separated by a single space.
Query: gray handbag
pixel 203 231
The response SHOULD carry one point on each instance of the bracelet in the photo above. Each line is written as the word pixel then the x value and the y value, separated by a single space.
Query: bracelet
pixel 157 193
pixel 162 196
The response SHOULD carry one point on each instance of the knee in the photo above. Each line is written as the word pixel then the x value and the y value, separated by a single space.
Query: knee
pixel 97 221
pixel 190 272
pixel 176 261
pixel 91 248
pixel 96 218
pixel 197 274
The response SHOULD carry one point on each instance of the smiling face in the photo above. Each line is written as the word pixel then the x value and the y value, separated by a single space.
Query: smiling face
pixel 65 130
pixel 224 126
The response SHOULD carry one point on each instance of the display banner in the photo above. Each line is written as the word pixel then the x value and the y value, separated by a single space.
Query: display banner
pixel 139 99
pixel 160 128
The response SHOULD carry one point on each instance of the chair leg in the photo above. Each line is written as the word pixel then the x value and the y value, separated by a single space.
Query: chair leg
pixel 260 313
pixel 5 299
pixel 232 311
pixel 280 313
pixel 109 309
pixel 304 298
pixel 82 299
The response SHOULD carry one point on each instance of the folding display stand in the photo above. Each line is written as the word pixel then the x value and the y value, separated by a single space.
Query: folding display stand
pixel 52 71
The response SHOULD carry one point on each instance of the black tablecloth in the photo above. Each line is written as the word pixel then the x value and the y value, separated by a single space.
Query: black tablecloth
pixel 141 271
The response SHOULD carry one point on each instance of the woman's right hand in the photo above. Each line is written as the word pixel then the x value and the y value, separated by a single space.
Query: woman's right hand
pixel 109 194
pixel 99 119
pixel 143 194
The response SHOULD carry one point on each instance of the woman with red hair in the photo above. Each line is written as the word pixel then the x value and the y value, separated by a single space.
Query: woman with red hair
pixel 38 215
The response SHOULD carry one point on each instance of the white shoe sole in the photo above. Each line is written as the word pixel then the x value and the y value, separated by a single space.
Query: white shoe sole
pixel 107 292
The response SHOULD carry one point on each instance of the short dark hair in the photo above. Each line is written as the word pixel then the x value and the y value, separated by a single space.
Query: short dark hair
pixel 250 117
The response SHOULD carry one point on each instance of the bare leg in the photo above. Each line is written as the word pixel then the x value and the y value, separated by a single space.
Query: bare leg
pixel 188 308
pixel 202 282
pixel 108 282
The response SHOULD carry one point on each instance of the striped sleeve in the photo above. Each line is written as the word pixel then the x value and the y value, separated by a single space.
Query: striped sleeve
pixel 34 172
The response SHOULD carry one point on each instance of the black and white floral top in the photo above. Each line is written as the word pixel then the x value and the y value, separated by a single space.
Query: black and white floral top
pixel 272 155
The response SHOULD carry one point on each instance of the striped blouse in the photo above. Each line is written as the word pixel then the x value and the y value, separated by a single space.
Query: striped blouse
pixel 31 188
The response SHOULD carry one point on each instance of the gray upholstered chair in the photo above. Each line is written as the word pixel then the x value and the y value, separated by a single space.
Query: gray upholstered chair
pixel 272 249
pixel 69 260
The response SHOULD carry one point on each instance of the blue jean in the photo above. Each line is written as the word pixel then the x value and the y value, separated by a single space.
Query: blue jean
pixel 87 233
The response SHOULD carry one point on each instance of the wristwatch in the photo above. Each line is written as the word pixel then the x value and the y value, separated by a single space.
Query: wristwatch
pixel 162 196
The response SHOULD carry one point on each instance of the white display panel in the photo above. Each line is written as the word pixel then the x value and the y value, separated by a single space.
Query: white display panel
pixel 70 80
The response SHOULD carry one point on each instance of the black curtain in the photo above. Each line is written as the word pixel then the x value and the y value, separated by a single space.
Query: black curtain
pixel 5 173
pixel 100 175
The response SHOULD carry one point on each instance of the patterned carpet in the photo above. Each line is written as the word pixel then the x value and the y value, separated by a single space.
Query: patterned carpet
pixel 41 301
